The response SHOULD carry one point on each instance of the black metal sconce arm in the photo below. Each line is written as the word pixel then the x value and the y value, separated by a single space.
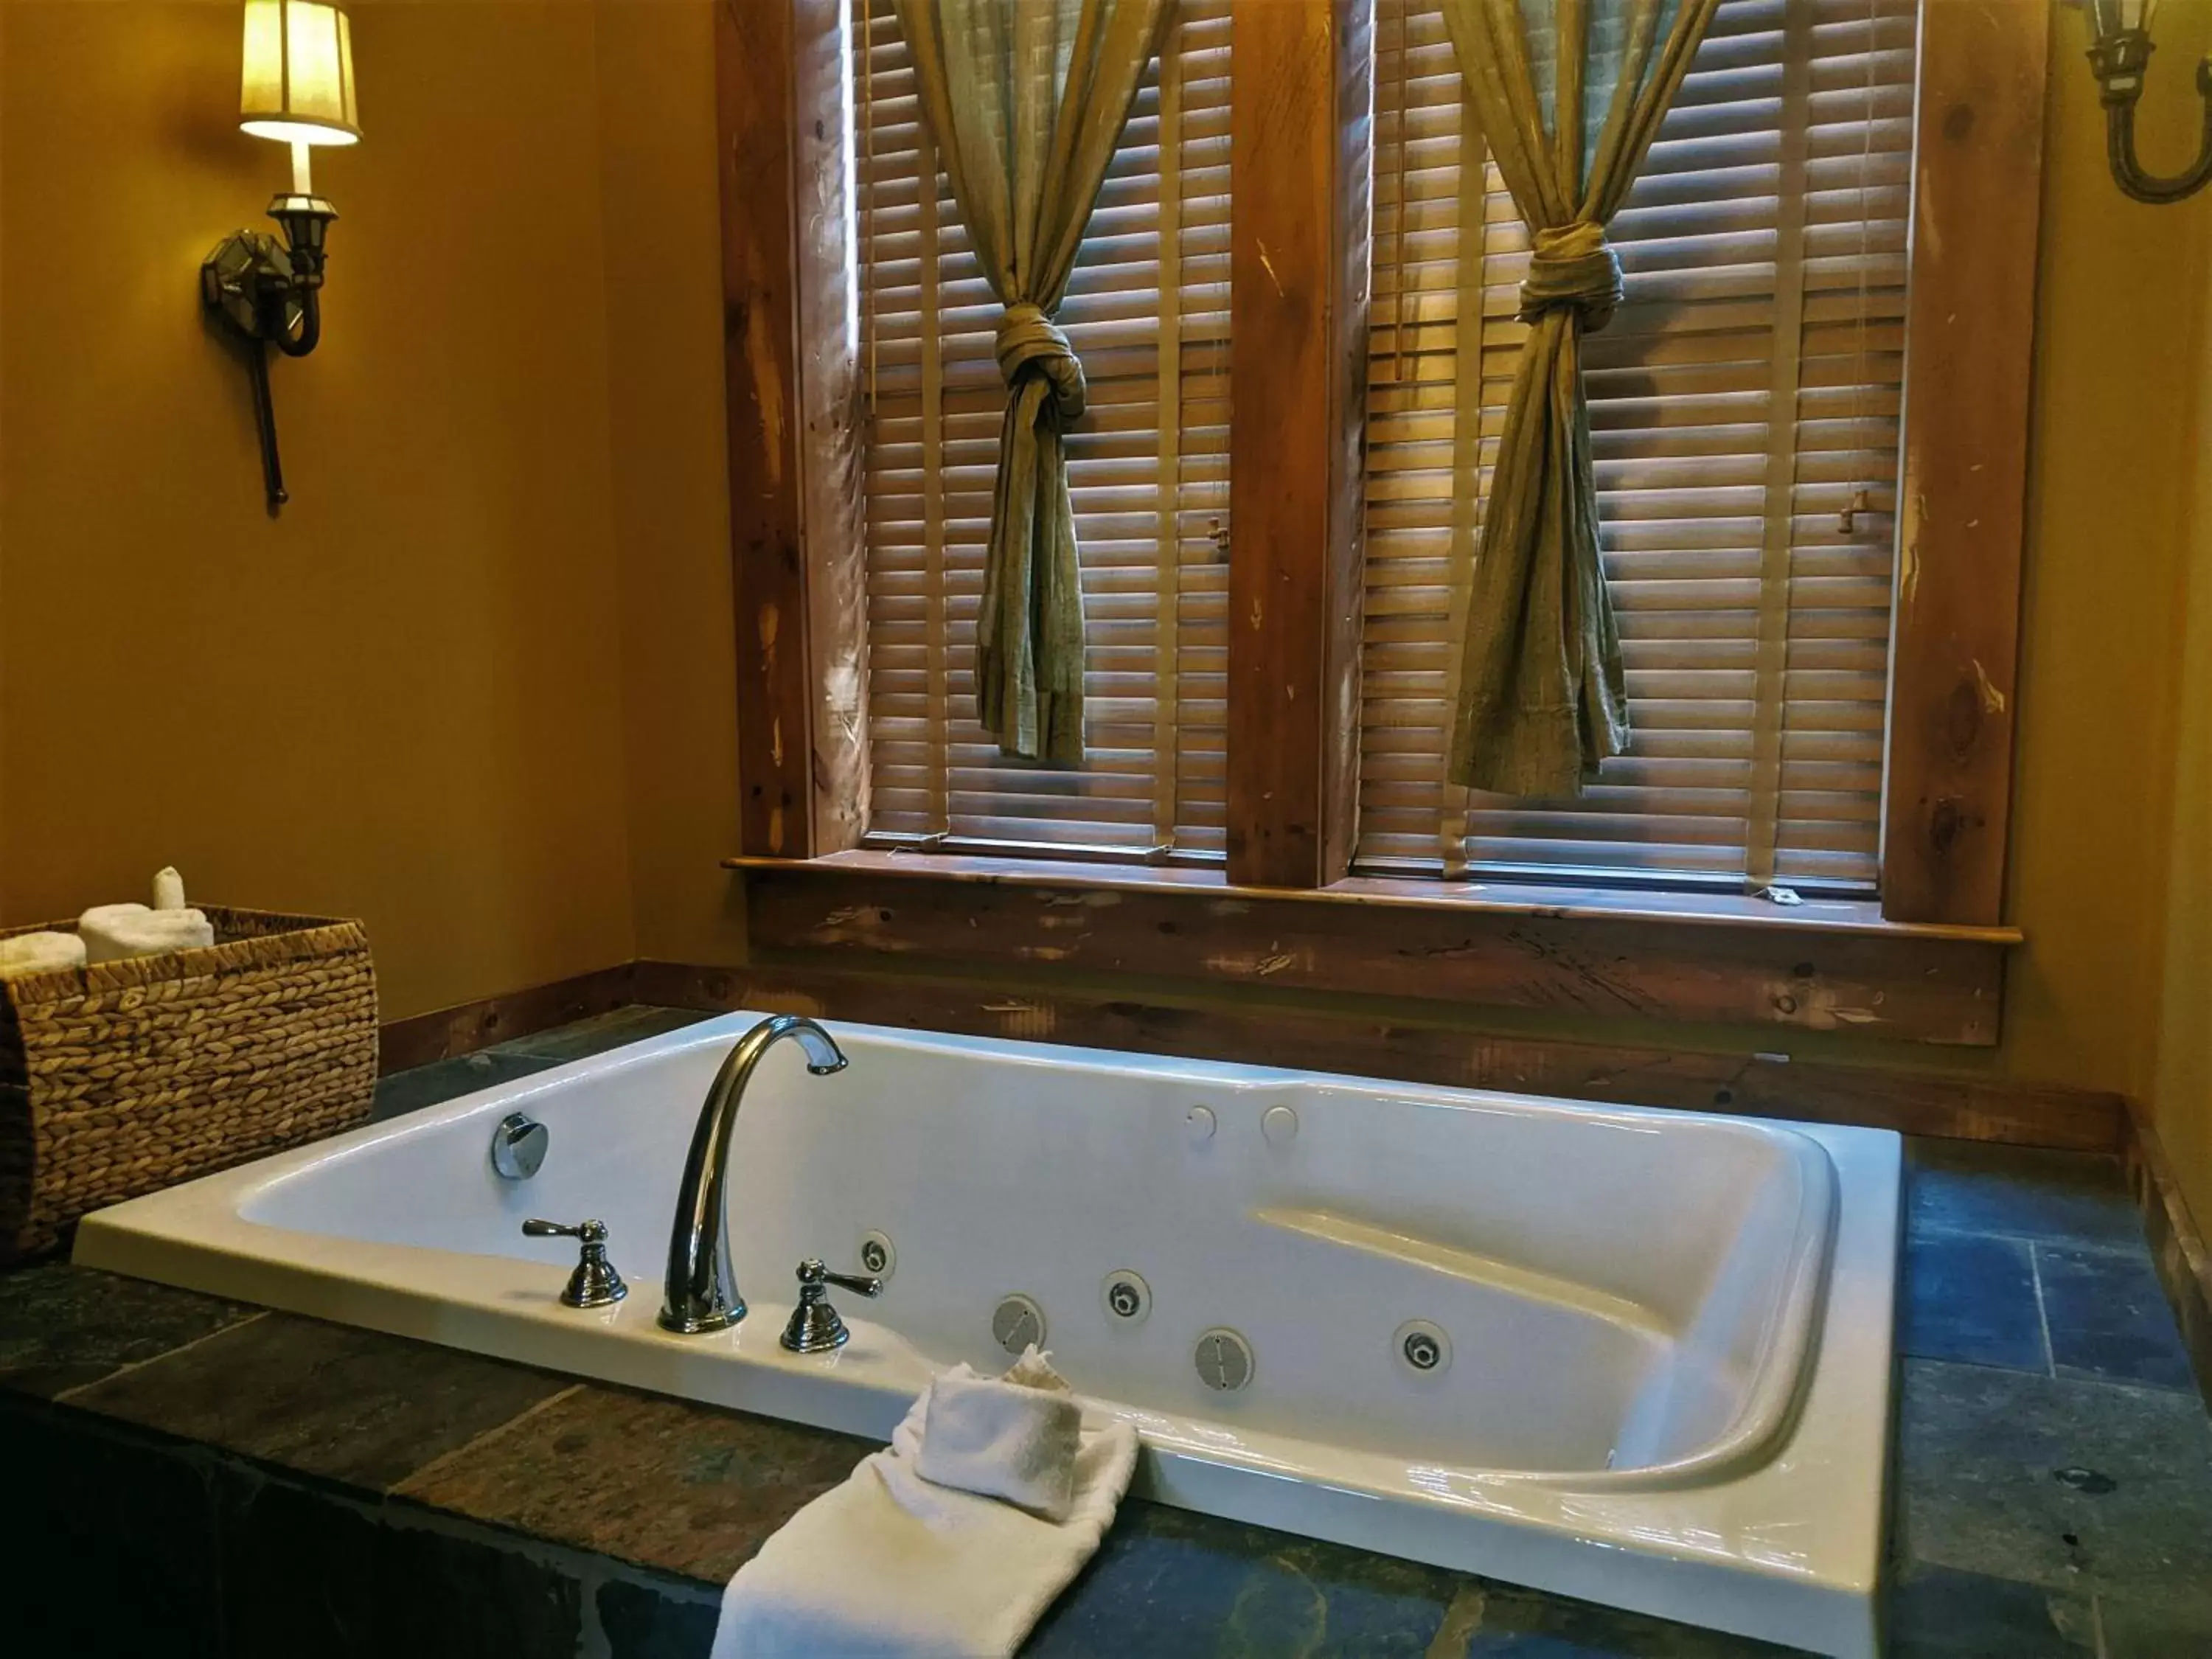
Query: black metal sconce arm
pixel 296 339
pixel 268 293
pixel 2119 61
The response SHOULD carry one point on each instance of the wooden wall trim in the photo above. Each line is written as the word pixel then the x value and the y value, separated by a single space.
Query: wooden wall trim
pixel 1970 339
pixel 833 414
pixel 1809 919
pixel 1928 989
pixel 1301 98
pixel 402 1044
pixel 754 70
pixel 2177 1244
pixel 1912 1103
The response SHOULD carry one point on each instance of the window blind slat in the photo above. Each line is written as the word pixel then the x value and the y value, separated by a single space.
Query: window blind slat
pixel 1779 473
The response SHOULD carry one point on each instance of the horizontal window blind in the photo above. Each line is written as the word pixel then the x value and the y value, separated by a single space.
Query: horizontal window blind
pixel 1147 311
pixel 1745 408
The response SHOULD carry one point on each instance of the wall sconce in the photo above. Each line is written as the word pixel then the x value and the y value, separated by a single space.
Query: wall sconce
pixel 298 90
pixel 2119 52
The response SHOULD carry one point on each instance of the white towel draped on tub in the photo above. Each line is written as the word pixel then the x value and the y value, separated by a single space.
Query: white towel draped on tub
pixel 910 1559
pixel 112 932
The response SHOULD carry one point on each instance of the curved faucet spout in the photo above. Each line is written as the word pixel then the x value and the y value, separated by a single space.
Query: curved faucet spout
pixel 703 1285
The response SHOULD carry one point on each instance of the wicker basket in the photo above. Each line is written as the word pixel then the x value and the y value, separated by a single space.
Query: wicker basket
pixel 129 1076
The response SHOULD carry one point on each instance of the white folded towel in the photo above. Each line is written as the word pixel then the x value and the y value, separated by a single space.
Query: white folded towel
pixel 112 932
pixel 39 953
pixel 1014 1436
pixel 168 888
pixel 893 1564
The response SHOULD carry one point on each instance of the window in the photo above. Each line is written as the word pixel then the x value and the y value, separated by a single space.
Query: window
pixel 1749 405
pixel 1147 311
pixel 1750 559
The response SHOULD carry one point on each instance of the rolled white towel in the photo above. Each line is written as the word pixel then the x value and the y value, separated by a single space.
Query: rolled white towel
pixel 1013 1437
pixel 168 888
pixel 112 932
pixel 39 953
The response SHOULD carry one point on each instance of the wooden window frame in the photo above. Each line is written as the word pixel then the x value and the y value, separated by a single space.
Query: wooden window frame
pixel 1923 963
pixel 1962 487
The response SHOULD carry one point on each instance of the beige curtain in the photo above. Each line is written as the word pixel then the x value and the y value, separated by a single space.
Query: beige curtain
pixel 1569 95
pixel 1026 101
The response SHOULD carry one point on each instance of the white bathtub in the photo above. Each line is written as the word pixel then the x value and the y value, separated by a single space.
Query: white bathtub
pixel 1665 1377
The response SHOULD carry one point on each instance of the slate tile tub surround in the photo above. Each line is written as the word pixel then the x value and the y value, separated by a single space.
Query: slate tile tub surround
pixel 2060 1483
pixel 2034 1261
pixel 212 1479
pixel 325 1400
pixel 2022 1191
pixel 61 1329
pixel 2108 1317
pixel 1973 1298
pixel 642 1478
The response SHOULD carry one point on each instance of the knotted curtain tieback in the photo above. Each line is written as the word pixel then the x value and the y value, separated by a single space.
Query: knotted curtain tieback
pixel 1573 265
pixel 1026 338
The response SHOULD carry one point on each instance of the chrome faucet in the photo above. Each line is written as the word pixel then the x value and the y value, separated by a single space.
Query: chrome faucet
pixel 703 1285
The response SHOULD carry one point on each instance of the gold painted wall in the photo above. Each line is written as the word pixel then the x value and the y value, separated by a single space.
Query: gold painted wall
pixel 664 328
pixel 2111 865
pixel 671 521
pixel 2124 307
pixel 2183 1091
pixel 401 700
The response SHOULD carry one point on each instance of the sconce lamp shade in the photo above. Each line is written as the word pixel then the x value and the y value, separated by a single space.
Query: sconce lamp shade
pixel 298 84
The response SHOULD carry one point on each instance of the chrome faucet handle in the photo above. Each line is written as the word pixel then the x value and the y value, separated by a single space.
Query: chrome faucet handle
pixel 595 1283
pixel 811 1271
pixel 591 1232
pixel 815 1327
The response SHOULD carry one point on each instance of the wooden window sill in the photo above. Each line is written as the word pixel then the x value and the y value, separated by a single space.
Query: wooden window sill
pixel 1821 965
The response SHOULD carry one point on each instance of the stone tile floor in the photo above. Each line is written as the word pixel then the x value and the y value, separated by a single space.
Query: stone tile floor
pixel 2054 1491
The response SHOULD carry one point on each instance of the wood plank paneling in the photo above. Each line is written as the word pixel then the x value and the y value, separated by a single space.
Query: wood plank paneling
pixel 1970 1107
pixel 468 1026
pixel 1970 333
pixel 832 406
pixel 754 70
pixel 1911 987
pixel 1300 130
pixel 2177 1243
